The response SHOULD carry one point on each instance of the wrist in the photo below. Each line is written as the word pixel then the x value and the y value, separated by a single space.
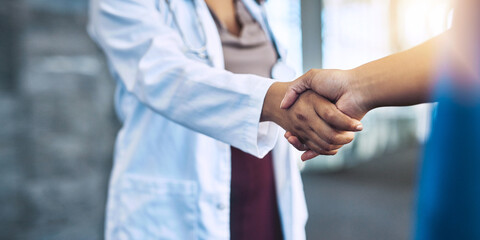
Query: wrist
pixel 360 89
pixel 271 110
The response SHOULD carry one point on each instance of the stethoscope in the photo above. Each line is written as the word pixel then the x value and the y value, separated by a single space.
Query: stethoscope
pixel 280 70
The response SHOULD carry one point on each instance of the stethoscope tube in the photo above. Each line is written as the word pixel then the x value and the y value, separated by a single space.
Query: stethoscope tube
pixel 280 71
pixel 200 51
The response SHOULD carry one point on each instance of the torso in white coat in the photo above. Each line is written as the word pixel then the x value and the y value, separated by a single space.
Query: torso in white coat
pixel 180 114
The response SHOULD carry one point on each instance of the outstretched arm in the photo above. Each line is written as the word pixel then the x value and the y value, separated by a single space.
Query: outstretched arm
pixel 404 78
pixel 397 80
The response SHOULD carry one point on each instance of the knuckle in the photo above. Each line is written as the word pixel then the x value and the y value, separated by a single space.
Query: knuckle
pixel 325 146
pixel 337 139
pixel 350 138
pixel 318 149
pixel 310 75
pixel 301 117
pixel 330 138
pixel 330 147
pixel 313 147
pixel 330 152
pixel 311 72
pixel 329 115
pixel 299 145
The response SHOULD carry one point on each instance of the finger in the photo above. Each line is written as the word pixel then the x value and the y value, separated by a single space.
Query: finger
pixel 329 135
pixel 336 118
pixel 311 127
pixel 288 134
pixel 319 145
pixel 297 87
pixel 294 141
pixel 309 155
pixel 312 154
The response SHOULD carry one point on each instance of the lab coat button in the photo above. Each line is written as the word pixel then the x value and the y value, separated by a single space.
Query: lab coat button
pixel 221 206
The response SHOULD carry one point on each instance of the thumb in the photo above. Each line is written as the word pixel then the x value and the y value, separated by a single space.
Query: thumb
pixel 294 90
pixel 289 98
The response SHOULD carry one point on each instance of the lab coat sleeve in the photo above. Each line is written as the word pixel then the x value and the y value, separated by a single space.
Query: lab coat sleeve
pixel 147 56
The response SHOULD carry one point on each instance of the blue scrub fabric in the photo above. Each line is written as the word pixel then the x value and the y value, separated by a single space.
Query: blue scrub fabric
pixel 448 204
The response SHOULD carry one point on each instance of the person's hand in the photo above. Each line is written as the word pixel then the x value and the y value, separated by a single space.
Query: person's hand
pixel 337 86
pixel 314 120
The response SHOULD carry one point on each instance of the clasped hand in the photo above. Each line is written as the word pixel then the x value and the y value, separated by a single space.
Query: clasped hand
pixel 313 122
pixel 336 87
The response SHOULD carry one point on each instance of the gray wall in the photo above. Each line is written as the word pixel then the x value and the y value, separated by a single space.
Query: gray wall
pixel 57 124
pixel 312 34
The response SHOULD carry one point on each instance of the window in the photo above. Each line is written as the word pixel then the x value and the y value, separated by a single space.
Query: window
pixel 357 31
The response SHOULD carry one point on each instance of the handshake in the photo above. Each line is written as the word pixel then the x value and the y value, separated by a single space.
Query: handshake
pixel 321 110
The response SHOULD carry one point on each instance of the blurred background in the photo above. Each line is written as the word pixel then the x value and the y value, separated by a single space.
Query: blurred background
pixel 57 123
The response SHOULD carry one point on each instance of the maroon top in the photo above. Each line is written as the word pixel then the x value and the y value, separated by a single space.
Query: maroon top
pixel 253 201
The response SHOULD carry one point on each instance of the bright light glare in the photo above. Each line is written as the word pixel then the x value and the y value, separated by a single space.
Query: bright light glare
pixel 420 20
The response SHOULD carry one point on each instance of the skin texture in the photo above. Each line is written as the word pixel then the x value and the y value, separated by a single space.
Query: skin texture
pixel 401 79
pixel 313 119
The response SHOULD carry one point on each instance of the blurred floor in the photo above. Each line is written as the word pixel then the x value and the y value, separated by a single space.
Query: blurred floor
pixel 371 201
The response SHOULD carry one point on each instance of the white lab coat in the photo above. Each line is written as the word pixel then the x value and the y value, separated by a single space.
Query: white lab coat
pixel 180 114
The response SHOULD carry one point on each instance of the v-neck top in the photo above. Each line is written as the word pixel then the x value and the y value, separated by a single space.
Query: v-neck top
pixel 254 212
pixel 251 52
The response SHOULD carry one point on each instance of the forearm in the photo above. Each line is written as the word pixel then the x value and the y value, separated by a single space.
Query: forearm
pixel 401 79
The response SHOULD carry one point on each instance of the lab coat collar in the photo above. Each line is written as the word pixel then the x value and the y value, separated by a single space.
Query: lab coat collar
pixel 214 44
